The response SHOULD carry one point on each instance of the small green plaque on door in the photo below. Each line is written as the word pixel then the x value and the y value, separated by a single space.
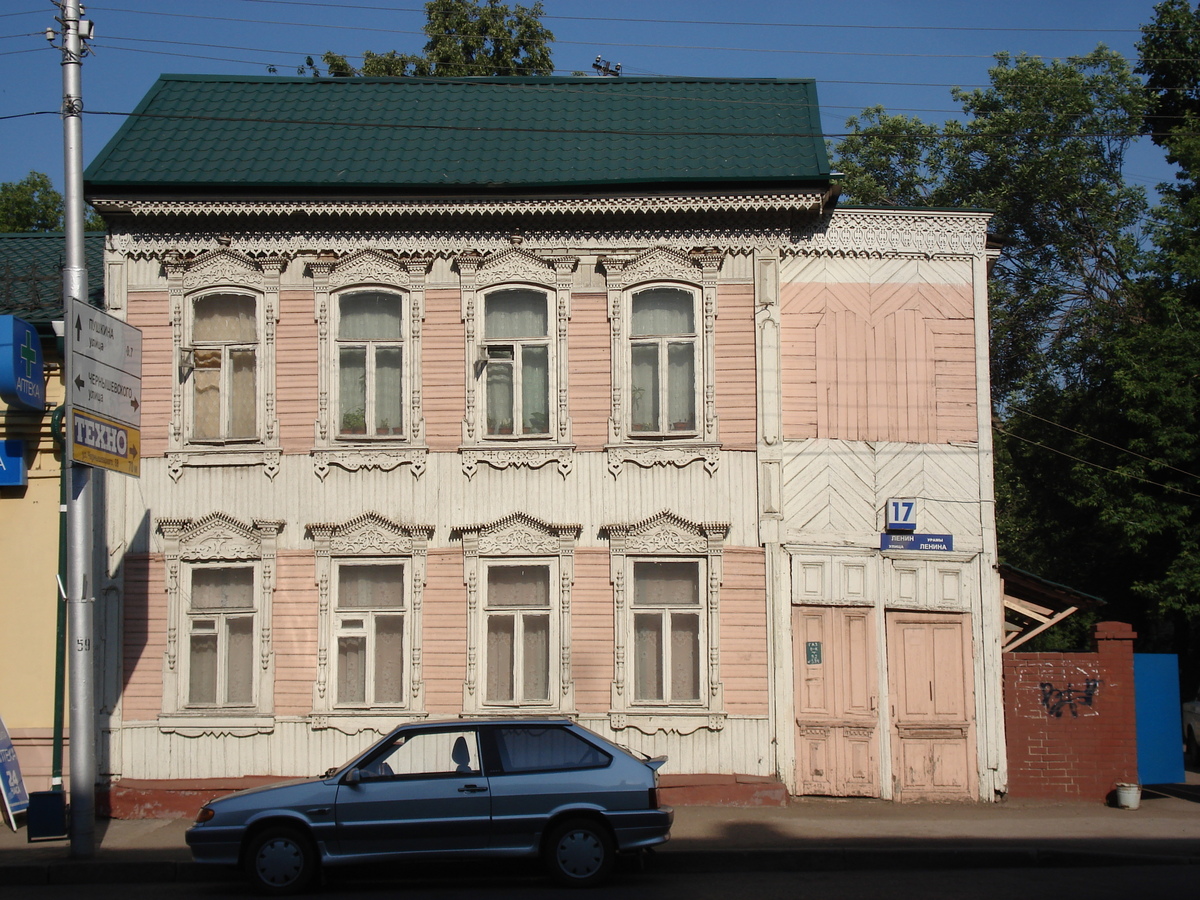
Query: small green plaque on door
pixel 812 653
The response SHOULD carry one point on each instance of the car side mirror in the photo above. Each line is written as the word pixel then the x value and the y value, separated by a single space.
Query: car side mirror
pixel 352 777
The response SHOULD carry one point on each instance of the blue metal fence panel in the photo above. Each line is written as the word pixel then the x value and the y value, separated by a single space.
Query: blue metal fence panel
pixel 1160 740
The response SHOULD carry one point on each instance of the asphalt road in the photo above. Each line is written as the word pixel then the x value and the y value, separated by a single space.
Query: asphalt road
pixel 1094 883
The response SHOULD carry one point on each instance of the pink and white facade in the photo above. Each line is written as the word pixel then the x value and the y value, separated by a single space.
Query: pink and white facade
pixel 650 499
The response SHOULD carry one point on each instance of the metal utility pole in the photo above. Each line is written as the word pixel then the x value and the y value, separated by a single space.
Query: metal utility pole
pixel 79 501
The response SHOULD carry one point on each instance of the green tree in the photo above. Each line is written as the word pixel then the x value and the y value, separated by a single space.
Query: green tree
pixel 32 204
pixel 466 38
pixel 1043 147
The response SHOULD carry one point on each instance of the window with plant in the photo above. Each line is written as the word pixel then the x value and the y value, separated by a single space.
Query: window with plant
pixel 517 363
pixel 370 359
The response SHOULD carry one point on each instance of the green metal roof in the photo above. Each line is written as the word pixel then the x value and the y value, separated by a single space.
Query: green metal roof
pixel 426 134
pixel 31 265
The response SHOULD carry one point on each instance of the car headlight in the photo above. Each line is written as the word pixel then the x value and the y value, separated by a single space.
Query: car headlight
pixel 206 813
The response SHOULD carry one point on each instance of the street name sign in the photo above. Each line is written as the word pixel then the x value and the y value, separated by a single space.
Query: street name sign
pixel 940 542
pixel 105 393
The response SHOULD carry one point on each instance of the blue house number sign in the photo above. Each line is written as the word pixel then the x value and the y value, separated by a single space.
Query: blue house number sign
pixel 901 515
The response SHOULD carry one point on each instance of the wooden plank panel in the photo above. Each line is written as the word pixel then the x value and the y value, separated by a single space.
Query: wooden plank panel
pixel 443 367
pixel 144 607
pixel 445 631
pixel 296 371
pixel 736 378
pixel 590 386
pixel 592 631
pixel 744 670
pixel 295 608
pixel 150 311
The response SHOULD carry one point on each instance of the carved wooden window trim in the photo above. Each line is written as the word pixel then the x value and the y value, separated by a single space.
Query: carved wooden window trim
pixel 515 268
pixel 369 537
pixel 223 271
pixel 514 538
pixel 696 273
pixel 332 278
pixel 666 536
pixel 212 541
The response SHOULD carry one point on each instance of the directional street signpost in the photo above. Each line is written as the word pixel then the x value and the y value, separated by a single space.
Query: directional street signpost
pixel 105 393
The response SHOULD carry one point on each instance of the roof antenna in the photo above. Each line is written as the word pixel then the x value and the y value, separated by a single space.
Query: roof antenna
pixel 604 67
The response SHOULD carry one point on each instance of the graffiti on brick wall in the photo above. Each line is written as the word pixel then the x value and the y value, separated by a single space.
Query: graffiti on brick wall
pixel 1056 700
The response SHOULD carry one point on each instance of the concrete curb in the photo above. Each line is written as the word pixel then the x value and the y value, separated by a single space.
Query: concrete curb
pixel 802 859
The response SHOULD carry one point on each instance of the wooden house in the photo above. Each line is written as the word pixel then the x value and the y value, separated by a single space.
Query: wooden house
pixel 573 395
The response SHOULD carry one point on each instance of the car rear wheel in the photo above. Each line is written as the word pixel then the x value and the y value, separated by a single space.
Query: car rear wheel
pixel 579 853
pixel 281 861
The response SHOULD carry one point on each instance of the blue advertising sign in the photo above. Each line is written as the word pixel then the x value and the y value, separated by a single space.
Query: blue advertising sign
pixel 916 542
pixel 12 464
pixel 22 375
pixel 12 787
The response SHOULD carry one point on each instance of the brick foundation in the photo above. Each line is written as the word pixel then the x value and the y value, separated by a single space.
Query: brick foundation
pixel 1070 719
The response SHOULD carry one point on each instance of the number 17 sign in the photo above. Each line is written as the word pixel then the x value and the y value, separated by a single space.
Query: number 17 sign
pixel 901 515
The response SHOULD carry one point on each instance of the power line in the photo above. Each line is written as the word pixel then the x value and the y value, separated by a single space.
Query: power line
pixel 1149 459
pixel 723 23
pixel 1165 487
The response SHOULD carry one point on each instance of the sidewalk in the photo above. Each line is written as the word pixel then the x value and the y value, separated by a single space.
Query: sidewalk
pixel 807 834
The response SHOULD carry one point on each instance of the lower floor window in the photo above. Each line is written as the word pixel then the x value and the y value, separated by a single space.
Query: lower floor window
pixel 667 626
pixel 221 637
pixel 518 634
pixel 370 634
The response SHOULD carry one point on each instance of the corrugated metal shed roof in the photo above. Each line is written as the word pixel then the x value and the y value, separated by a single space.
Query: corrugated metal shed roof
pixel 31 273
pixel 193 131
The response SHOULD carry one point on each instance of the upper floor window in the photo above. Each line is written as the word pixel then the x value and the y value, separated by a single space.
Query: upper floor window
pixel 225 375
pixel 516 348
pixel 370 364
pixel 662 363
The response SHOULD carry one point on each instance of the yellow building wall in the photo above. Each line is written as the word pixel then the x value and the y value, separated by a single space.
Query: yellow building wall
pixel 28 591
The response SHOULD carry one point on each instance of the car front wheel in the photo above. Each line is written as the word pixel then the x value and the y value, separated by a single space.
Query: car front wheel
pixel 281 861
pixel 580 853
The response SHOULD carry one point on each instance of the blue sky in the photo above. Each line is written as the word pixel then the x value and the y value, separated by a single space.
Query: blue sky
pixel 903 54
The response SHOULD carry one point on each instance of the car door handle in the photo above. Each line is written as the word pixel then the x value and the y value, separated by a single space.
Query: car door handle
pixel 472 789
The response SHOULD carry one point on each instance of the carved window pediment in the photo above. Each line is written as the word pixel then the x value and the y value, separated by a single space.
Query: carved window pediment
pixel 666 532
pixel 370 534
pixel 221 266
pixel 519 534
pixel 216 536
pixel 656 264
pixel 368 267
pixel 514 264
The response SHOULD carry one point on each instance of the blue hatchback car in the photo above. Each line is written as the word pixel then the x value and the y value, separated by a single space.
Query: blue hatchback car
pixel 544 787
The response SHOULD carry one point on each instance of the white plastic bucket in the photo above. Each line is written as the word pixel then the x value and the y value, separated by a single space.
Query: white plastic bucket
pixel 1129 796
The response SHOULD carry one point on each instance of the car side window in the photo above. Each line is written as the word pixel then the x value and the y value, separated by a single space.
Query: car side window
pixel 427 754
pixel 545 750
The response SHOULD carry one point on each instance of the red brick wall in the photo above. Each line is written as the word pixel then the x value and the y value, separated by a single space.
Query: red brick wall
pixel 1072 731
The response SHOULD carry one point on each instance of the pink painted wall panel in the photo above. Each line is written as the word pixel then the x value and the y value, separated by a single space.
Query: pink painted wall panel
pixel 736 380
pixel 443 370
pixel 590 386
pixel 150 311
pixel 296 382
pixel 592 631
pixel 144 613
pixel 295 608
pixel 872 362
pixel 444 612
pixel 744 665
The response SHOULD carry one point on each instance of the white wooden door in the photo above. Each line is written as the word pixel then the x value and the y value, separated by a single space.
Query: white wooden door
pixel 932 698
pixel 837 746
